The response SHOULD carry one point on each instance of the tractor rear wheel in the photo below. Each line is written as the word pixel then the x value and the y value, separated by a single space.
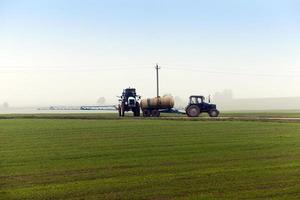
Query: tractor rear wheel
pixel 213 113
pixel 120 111
pixel 136 112
pixel 155 113
pixel 193 111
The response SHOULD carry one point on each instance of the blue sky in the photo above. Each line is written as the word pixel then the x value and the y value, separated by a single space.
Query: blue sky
pixel 241 41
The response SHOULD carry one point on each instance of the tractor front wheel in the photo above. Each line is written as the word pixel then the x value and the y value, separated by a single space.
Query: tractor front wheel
pixel 213 113
pixel 193 111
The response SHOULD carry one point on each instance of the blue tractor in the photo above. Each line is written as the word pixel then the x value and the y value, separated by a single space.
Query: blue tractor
pixel 197 105
pixel 129 101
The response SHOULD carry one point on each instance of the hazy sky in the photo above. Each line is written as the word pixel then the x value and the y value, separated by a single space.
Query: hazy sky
pixel 72 52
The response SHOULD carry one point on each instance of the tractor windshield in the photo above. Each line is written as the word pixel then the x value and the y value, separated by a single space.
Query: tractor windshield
pixel 196 100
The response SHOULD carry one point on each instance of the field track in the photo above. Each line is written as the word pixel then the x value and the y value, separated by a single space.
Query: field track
pixel 283 119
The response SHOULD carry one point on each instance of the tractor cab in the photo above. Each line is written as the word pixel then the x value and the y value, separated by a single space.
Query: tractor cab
pixel 196 99
pixel 197 105
pixel 129 97
pixel 129 92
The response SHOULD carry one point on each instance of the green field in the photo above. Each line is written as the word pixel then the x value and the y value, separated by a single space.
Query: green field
pixel 147 159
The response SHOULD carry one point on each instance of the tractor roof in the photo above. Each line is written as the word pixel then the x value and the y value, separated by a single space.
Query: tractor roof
pixel 130 89
pixel 197 96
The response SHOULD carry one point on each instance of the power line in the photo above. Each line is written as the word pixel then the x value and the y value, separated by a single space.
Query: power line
pixel 73 69
pixel 134 67
pixel 233 73
pixel 217 68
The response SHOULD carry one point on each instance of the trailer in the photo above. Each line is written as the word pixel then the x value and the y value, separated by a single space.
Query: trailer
pixel 152 107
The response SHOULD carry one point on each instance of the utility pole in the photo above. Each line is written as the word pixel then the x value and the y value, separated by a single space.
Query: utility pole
pixel 157 80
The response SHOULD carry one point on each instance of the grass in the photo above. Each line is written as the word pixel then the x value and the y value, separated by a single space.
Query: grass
pixel 148 159
pixel 263 114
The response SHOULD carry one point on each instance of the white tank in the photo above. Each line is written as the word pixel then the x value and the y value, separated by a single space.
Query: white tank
pixel 165 102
